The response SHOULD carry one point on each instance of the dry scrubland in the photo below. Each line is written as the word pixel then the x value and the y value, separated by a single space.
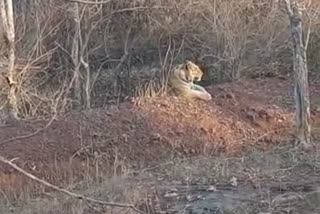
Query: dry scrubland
pixel 119 42
pixel 80 62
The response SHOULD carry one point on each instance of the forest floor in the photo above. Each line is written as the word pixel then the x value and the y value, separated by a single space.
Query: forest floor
pixel 233 154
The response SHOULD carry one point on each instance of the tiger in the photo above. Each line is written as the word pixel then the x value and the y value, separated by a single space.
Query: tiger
pixel 179 80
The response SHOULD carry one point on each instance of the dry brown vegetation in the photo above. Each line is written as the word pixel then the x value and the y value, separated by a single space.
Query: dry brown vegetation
pixel 74 55
pixel 80 61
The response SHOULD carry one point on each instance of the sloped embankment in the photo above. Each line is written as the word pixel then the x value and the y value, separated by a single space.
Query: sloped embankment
pixel 119 138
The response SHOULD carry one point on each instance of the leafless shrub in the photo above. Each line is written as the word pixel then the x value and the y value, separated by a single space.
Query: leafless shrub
pixel 112 42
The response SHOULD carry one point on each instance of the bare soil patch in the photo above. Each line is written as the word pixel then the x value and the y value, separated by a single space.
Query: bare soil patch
pixel 244 116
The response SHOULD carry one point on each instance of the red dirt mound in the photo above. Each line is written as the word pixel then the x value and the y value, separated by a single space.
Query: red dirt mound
pixel 117 138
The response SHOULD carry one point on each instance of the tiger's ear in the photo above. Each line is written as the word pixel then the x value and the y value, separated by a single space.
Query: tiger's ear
pixel 188 65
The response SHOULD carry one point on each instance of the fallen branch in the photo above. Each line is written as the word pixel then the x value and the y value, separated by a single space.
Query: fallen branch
pixel 67 192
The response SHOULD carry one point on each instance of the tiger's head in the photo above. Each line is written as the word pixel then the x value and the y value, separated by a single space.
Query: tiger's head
pixel 193 71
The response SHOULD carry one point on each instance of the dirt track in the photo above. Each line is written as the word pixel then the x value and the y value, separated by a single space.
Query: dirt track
pixel 242 116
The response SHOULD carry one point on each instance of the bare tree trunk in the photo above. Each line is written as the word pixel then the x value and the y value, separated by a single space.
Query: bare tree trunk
pixel 88 83
pixel 8 25
pixel 75 56
pixel 79 53
pixel 300 68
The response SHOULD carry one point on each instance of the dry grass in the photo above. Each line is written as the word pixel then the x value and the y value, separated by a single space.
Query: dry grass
pixel 229 39
pixel 98 55
pixel 265 182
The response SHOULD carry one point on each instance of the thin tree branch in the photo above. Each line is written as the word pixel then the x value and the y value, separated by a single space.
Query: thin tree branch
pixel 47 125
pixel 4 15
pixel 288 7
pixel 29 135
pixel 306 43
pixel 91 2
pixel 66 192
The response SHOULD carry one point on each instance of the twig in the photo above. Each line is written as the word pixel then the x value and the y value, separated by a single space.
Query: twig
pixel 67 192
pixel 306 42
pixel 47 125
pixel 139 8
pixel 64 51
pixel 93 208
pixel 91 2
pixel 29 135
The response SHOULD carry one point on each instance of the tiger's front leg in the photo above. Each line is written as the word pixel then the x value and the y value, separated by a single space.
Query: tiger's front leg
pixel 199 92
